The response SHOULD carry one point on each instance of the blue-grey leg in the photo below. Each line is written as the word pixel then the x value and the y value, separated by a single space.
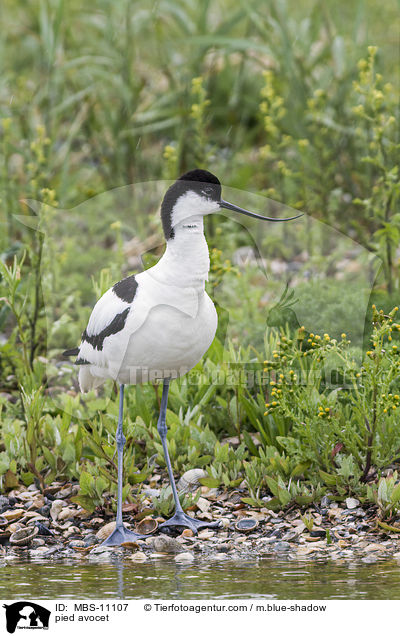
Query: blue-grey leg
pixel 180 520
pixel 121 534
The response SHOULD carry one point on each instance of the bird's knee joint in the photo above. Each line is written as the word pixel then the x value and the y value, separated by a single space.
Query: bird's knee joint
pixel 121 439
pixel 162 429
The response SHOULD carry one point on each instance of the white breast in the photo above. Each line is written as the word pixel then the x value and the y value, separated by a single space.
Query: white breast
pixel 169 343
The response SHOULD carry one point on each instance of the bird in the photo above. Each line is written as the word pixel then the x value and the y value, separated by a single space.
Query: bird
pixel 158 324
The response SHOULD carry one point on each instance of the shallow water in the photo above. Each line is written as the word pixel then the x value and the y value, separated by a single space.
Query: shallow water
pixel 266 578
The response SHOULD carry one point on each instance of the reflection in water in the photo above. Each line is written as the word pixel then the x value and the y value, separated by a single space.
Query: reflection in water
pixel 162 578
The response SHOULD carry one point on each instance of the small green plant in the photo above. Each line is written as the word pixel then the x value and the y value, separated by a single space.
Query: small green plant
pixel 227 466
pixel 308 521
pixel 15 299
pixel 343 417
pixel 164 503
pixel 92 491
pixel 386 496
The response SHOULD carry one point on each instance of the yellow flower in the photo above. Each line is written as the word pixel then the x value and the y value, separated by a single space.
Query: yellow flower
pixel 6 123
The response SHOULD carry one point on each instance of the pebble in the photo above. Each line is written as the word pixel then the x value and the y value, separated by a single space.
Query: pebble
pixel 56 508
pixel 13 515
pixel 318 533
pixel 139 557
pixel 352 503
pixel 67 531
pixel 281 546
pixel 203 504
pixel 369 559
pixel 166 544
pixel 375 547
pixel 184 557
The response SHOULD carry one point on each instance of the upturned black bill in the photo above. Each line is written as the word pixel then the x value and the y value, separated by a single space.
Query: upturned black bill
pixel 235 208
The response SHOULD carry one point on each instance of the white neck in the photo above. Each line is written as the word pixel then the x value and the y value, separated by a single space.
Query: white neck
pixel 185 262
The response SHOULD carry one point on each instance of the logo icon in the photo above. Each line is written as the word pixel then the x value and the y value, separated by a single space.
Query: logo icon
pixel 26 615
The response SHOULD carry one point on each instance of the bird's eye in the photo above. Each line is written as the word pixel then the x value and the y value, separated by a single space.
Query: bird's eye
pixel 207 190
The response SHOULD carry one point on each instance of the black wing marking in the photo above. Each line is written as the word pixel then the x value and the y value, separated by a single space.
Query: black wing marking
pixel 81 361
pixel 126 288
pixel 114 327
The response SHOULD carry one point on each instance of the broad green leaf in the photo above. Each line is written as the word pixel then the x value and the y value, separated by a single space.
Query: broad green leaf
pixel 86 483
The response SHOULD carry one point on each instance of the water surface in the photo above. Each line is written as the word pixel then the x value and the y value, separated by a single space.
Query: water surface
pixel 265 578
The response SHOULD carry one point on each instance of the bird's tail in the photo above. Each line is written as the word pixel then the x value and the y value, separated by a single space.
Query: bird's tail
pixel 87 380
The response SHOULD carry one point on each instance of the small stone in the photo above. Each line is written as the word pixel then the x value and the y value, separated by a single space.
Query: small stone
pixel 66 513
pixel 103 533
pixel 38 552
pixel 91 539
pixel 184 557
pixel 206 534
pixel 281 546
pixel 43 530
pixel 225 548
pixel 77 544
pixel 352 503
pixel 224 521
pixel 56 508
pixel 369 559
pixel 291 535
pixel 166 545
pixel 304 550
pixel 375 547
pixel 13 515
pixel 139 557
pixel 221 556
pixel 203 504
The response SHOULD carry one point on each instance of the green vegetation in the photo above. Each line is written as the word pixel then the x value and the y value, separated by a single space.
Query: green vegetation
pixel 294 106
